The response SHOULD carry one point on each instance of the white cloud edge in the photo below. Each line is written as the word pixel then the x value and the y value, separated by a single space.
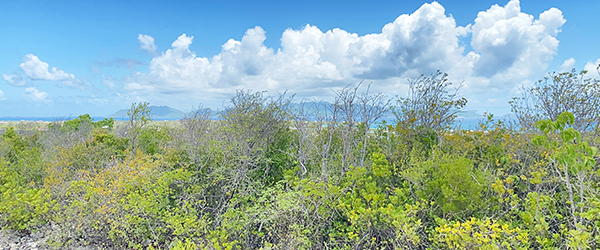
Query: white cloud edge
pixel 147 44
pixel 35 95
pixel 567 65
pixel 14 79
pixel 37 69
pixel 592 69
pixel 313 59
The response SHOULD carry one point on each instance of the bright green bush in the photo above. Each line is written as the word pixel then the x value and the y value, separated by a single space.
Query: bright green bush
pixel 253 181
pixel 153 140
pixel 131 204
pixel 479 234
pixel 23 207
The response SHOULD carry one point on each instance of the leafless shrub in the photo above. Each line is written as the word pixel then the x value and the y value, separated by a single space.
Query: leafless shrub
pixel 557 93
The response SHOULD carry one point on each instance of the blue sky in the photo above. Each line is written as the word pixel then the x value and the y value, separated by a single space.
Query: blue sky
pixel 66 58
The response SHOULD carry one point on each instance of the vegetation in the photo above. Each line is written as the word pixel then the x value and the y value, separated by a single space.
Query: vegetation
pixel 270 175
pixel 558 93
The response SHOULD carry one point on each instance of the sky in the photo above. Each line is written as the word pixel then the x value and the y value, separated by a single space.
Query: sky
pixel 67 58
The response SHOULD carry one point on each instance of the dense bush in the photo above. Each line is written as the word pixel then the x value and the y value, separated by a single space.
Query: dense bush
pixel 269 176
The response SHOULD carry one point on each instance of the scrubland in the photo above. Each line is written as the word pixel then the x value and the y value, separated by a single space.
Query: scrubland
pixel 267 176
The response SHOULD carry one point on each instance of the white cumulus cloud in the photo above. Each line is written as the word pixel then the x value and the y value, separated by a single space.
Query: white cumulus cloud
pixel 14 79
pixel 147 43
pixel 2 95
pixel 567 65
pixel 514 43
pixel 592 69
pixel 508 47
pixel 39 70
pixel 35 94
pixel 424 41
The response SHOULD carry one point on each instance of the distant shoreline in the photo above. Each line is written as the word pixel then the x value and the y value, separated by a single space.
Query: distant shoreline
pixel 464 123
pixel 66 118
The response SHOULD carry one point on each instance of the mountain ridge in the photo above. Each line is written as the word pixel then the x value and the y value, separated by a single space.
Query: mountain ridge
pixel 157 112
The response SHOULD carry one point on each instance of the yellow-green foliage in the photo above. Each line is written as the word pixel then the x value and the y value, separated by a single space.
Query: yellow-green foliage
pixel 182 245
pixel 130 202
pixel 245 185
pixel 23 203
pixel 479 234
pixel 22 206
pixel 450 181
pixel 379 214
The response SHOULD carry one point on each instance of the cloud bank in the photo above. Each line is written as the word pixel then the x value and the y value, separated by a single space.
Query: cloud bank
pixel 508 46
pixel 492 57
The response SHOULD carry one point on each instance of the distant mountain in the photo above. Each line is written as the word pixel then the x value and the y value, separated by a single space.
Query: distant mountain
pixel 469 114
pixel 509 117
pixel 157 112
